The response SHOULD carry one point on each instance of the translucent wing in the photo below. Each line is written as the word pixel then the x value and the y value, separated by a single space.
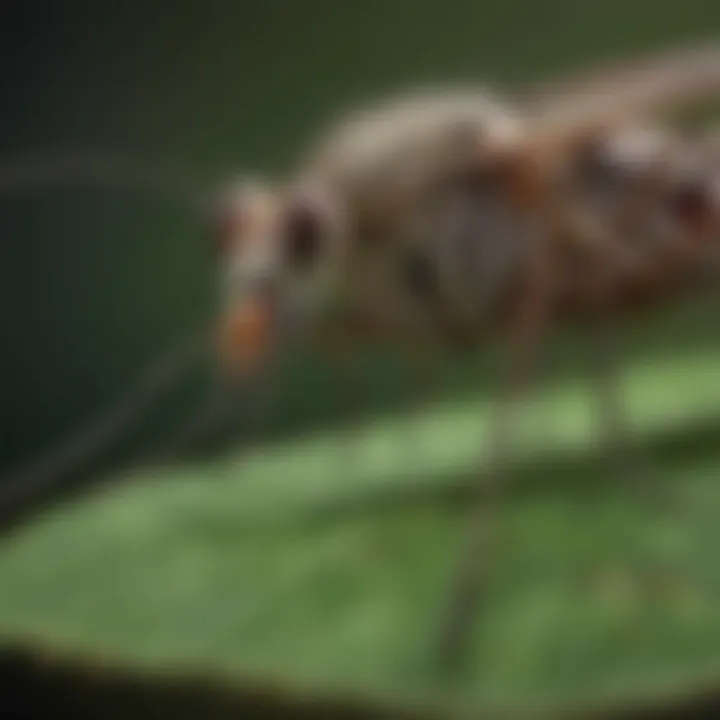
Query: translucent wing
pixel 666 80
pixel 587 107
pixel 59 471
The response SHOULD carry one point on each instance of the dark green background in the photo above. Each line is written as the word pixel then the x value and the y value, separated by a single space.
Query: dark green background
pixel 93 283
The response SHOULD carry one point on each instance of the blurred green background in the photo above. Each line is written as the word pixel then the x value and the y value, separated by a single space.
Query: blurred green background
pixel 95 282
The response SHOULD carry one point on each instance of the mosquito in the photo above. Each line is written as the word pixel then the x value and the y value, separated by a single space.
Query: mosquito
pixel 453 218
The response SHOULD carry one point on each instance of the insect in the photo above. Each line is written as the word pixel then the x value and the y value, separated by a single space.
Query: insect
pixel 419 212
pixel 452 218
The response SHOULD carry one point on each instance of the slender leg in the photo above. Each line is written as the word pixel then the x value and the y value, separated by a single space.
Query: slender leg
pixel 621 448
pixel 608 391
pixel 624 454
pixel 468 585
pixel 208 419
pixel 233 410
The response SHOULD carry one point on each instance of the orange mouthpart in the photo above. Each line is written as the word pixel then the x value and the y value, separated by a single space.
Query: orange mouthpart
pixel 247 335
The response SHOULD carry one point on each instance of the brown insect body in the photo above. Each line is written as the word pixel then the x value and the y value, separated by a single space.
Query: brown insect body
pixel 436 247
pixel 458 217
pixel 430 242
pixel 658 206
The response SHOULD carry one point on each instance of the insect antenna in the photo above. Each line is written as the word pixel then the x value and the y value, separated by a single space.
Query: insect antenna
pixel 32 487
pixel 62 469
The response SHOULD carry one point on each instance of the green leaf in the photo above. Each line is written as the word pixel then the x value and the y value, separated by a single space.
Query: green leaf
pixel 327 564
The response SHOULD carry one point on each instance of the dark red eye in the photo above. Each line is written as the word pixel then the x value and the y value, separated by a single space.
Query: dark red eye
pixel 304 227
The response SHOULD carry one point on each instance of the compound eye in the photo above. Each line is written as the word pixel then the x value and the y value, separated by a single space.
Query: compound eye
pixel 303 235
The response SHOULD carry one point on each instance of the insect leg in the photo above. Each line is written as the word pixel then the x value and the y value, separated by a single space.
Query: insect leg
pixel 468 584
pixel 620 447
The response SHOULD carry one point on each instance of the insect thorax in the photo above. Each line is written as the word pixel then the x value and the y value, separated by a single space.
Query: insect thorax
pixel 431 243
